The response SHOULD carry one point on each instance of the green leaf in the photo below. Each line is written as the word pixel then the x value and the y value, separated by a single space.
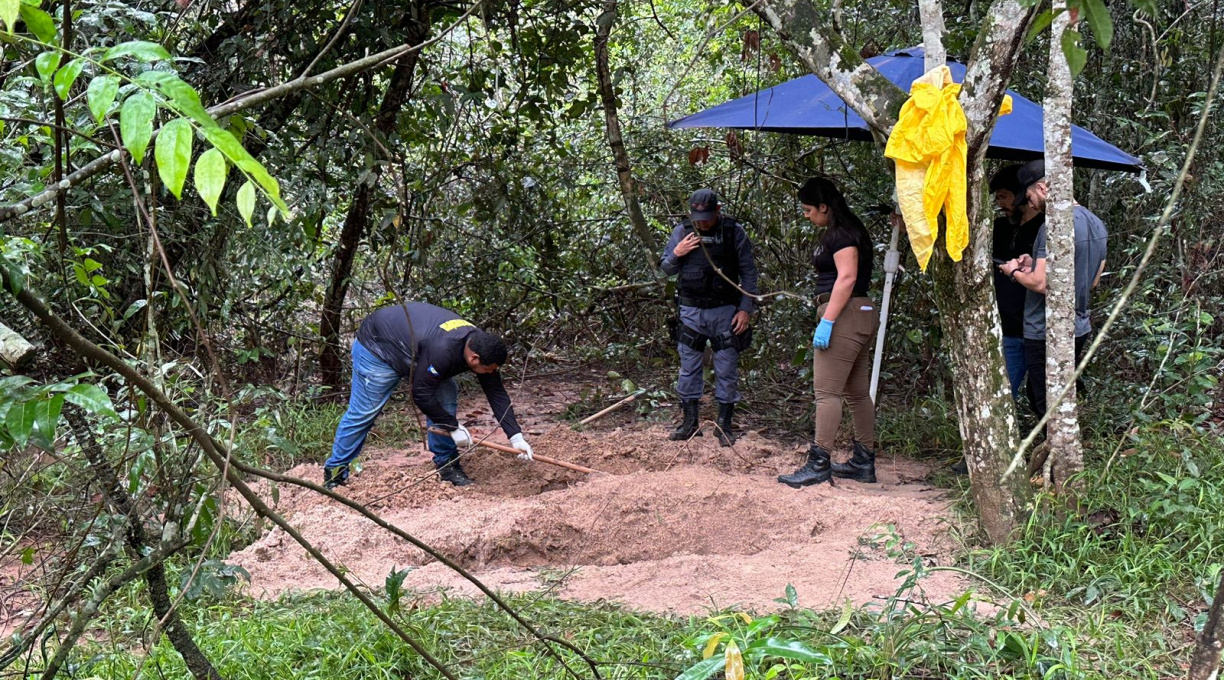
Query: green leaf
pixel 844 619
pixel 20 421
pixel 39 22
pixel 101 94
pixel 792 596
pixel 246 201
pixel 1041 23
pixel 136 123
pixel 27 556
pixel 283 444
pixel 184 99
pixel 8 13
pixel 1100 21
pixel 173 154
pixel 229 145
pixel 92 399
pixel 47 414
pixel 1077 57
pixel 704 669
pixel 15 275
pixel 787 649
pixel 760 625
pixel 395 589
pixel 65 77
pixel 46 64
pixel 210 177
pixel 141 50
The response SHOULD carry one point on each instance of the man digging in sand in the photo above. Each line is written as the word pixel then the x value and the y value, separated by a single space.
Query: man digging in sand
pixel 432 345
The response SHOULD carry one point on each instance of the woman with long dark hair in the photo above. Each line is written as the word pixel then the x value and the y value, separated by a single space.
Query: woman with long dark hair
pixel 841 359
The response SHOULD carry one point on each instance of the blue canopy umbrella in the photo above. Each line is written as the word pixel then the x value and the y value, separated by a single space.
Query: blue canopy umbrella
pixel 806 106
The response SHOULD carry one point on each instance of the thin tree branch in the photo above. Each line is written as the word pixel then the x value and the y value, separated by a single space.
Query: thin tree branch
pixel 239 103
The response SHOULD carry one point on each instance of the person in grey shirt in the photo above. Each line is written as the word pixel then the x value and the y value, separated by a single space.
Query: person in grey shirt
pixel 1091 239
pixel 711 256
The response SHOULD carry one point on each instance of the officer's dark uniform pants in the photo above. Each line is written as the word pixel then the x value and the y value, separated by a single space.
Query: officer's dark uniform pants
pixel 843 373
pixel 710 323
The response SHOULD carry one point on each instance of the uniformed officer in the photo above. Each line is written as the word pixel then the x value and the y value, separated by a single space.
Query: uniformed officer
pixel 712 258
pixel 432 345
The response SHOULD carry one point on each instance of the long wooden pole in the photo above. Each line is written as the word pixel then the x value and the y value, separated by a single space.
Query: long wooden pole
pixel 510 449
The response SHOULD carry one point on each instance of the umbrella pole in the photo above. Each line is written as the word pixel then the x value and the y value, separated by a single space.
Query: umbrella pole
pixel 892 260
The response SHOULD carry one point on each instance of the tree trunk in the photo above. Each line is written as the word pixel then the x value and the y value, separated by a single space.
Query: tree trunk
pixel 624 172
pixel 970 325
pixel 963 290
pixel 1205 662
pixel 1066 456
pixel 358 217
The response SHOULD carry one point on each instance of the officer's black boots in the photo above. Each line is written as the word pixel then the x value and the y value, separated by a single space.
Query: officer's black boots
pixel 334 477
pixel 725 413
pixel 860 467
pixel 687 427
pixel 814 471
pixel 453 473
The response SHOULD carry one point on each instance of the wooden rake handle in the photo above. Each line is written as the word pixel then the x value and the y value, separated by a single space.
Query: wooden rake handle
pixel 511 450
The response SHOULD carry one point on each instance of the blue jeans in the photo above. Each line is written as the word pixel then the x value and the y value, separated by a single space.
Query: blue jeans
pixel 373 383
pixel 1013 358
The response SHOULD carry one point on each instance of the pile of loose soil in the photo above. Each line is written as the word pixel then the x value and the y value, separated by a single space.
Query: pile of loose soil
pixel 678 527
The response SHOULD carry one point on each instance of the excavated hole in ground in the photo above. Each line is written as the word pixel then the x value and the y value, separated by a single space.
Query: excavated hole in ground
pixel 666 526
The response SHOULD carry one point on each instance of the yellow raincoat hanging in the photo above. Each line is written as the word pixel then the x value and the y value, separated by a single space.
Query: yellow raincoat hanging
pixel 928 147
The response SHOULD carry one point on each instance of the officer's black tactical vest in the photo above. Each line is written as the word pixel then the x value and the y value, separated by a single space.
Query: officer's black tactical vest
pixel 699 285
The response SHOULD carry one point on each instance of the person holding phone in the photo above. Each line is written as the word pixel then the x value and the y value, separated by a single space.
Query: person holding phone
pixel 711 256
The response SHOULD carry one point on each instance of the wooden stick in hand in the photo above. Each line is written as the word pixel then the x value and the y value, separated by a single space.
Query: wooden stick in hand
pixel 510 449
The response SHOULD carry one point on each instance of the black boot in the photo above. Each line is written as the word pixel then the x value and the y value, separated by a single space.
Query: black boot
pixel 334 477
pixel 814 471
pixel 453 473
pixel 725 413
pixel 860 467
pixel 688 426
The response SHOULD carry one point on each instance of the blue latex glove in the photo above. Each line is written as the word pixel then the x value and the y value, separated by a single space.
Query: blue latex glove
pixel 820 339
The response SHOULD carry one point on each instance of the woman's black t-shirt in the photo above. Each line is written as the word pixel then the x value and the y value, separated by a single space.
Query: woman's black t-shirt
pixel 826 267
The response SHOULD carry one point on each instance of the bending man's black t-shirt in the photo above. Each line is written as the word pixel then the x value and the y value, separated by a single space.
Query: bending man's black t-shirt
pixel 826 266
pixel 1012 241
pixel 440 336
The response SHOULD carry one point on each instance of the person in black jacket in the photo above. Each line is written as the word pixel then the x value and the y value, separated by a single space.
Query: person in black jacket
pixel 432 345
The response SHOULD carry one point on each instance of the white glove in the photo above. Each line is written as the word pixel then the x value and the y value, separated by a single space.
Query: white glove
pixel 520 443
pixel 462 437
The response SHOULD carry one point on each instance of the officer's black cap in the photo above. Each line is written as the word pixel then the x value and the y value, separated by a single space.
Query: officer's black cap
pixel 703 205
pixel 1029 174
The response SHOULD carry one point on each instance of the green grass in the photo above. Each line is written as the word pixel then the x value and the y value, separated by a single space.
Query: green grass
pixel 281 433
pixel 1114 590
pixel 329 635
pixel 1132 571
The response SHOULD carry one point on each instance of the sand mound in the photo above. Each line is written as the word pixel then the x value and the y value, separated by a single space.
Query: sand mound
pixel 667 526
